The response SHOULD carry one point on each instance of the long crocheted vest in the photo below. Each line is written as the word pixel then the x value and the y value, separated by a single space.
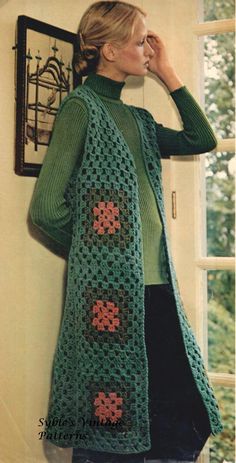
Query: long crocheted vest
pixel 99 394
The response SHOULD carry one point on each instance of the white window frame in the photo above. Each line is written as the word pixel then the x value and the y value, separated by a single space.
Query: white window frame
pixel 204 263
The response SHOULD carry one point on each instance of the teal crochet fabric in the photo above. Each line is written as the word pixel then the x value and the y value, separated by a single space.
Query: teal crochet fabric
pixel 99 394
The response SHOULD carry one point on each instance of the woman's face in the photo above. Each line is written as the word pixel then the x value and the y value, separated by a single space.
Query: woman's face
pixel 134 57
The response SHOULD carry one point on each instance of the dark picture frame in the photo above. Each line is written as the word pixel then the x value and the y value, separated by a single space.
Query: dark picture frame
pixel 44 76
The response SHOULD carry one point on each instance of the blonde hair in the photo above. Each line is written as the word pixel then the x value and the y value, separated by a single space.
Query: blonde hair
pixel 103 21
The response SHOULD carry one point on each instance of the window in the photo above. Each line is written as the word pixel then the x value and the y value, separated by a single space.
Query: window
pixel 216 262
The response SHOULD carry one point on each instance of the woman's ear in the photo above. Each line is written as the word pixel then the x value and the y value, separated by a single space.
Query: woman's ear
pixel 109 52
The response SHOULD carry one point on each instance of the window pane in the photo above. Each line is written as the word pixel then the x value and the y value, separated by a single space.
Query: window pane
pixel 219 64
pixel 220 200
pixel 221 327
pixel 222 445
pixel 220 9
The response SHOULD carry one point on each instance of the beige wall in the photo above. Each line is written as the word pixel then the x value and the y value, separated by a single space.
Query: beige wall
pixel 32 276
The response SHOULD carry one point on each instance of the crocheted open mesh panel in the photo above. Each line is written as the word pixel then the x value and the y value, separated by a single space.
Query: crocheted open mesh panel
pixel 99 395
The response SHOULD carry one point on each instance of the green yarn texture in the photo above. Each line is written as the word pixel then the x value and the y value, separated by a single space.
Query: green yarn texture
pixel 99 393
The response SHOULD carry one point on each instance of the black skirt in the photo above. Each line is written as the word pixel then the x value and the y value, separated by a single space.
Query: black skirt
pixel 179 423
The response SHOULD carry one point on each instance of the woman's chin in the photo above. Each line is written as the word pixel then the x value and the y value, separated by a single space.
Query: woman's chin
pixel 145 71
pixel 141 73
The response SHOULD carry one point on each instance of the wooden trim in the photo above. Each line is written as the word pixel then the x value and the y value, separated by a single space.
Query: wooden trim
pixel 226 144
pixel 216 263
pixel 222 379
pixel 214 27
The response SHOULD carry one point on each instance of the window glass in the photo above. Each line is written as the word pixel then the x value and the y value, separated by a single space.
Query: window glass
pixel 222 445
pixel 220 202
pixel 220 9
pixel 219 65
pixel 219 91
pixel 221 326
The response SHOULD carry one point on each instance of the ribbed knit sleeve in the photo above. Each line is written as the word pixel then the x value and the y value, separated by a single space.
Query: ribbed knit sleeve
pixel 48 209
pixel 197 135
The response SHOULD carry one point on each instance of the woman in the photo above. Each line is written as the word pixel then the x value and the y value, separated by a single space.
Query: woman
pixel 128 380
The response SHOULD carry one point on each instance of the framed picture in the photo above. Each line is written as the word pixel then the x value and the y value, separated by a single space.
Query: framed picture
pixel 45 75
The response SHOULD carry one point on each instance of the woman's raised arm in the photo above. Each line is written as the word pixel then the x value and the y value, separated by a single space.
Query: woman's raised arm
pixel 197 135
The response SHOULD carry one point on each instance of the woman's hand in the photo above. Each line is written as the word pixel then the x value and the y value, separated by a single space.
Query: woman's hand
pixel 159 63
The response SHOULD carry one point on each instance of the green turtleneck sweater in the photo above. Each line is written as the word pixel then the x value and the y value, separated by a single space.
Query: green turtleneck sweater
pixel 48 208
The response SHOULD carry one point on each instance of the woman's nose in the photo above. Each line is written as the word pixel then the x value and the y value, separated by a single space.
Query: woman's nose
pixel 149 50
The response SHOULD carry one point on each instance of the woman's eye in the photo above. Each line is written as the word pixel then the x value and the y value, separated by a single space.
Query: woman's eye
pixel 141 43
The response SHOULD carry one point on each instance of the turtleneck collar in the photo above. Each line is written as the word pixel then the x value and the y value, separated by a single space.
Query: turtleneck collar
pixel 105 86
